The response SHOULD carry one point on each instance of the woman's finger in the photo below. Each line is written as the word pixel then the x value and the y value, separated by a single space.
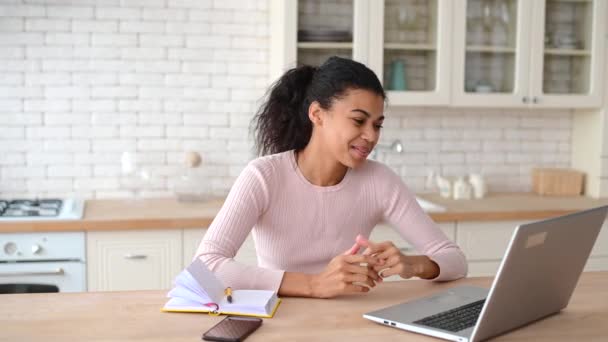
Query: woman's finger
pixel 362 278
pixel 388 253
pixel 353 250
pixel 368 271
pixel 373 247
pixel 389 262
pixel 359 259
pixel 356 288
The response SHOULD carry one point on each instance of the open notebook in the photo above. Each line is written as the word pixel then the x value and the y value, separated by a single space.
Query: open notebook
pixel 197 289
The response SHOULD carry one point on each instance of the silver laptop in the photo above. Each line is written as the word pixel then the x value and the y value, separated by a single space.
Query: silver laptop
pixel 536 278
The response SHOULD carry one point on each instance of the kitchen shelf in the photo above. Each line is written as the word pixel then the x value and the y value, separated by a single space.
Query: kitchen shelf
pixel 325 45
pixel 491 49
pixel 567 52
pixel 414 47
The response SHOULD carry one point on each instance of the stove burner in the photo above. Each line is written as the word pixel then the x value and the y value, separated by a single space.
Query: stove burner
pixel 30 208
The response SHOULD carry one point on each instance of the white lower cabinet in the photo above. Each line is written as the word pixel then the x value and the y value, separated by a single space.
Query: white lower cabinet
pixel 150 259
pixel 133 260
pixel 485 243
pixel 598 261
pixel 192 238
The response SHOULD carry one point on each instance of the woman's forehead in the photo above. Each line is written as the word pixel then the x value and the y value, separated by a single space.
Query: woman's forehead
pixel 362 100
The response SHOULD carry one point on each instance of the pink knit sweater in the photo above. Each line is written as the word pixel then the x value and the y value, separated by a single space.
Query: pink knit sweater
pixel 299 227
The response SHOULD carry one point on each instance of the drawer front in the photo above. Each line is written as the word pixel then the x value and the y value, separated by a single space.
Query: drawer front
pixel 485 240
pixel 133 260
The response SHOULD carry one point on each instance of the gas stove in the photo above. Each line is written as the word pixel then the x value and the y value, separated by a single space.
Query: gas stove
pixel 41 209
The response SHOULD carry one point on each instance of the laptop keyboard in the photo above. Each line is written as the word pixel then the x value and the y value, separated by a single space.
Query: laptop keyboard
pixel 457 319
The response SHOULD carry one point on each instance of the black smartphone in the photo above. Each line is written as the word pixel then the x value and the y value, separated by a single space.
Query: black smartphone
pixel 232 329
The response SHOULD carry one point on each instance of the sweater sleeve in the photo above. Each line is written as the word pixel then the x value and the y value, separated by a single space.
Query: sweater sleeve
pixel 403 212
pixel 245 203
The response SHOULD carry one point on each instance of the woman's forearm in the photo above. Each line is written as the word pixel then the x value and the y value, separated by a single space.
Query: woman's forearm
pixel 296 285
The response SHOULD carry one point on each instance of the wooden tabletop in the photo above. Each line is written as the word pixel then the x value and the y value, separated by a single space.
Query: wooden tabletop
pixel 136 316
pixel 168 213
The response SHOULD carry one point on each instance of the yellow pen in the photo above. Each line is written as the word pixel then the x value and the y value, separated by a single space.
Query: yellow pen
pixel 228 293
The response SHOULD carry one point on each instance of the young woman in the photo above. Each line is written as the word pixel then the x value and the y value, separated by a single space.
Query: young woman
pixel 313 192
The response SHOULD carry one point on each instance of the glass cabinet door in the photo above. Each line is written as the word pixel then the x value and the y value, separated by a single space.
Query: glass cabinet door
pixel 409 49
pixel 568 53
pixel 492 52
pixel 491 27
pixel 325 28
pixel 567 47
pixel 410 45
pixel 310 31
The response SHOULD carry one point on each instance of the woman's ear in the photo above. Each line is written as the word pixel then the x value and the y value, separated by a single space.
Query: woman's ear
pixel 315 113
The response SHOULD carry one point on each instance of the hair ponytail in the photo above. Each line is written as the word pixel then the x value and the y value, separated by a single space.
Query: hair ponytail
pixel 282 122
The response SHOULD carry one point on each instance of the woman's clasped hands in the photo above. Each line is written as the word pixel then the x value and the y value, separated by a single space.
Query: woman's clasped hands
pixel 358 273
pixel 347 273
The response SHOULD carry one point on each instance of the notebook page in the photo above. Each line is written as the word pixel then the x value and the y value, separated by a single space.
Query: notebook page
pixel 188 288
pixel 207 280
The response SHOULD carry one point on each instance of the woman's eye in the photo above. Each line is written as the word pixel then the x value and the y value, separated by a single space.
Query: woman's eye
pixel 379 126
pixel 359 122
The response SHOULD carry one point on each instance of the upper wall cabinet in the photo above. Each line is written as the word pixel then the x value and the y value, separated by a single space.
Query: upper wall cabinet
pixel 310 31
pixel 490 53
pixel 405 42
pixel 409 48
pixel 519 53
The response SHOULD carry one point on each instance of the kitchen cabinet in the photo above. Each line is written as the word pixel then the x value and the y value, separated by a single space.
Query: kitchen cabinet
pixel 192 238
pixel 406 43
pixel 150 259
pixel 534 54
pixel 409 49
pixel 484 243
pixel 490 53
pixel 308 32
pixel 598 260
pixel 133 260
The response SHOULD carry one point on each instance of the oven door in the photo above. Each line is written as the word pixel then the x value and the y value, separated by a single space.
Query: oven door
pixel 55 276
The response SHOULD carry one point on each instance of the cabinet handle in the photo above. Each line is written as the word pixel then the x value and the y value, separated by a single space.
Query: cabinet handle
pixel 535 100
pixel 58 271
pixel 525 99
pixel 135 256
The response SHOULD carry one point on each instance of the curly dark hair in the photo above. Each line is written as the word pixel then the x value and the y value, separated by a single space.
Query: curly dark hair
pixel 282 123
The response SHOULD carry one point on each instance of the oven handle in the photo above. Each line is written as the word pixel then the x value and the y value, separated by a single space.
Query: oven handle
pixel 58 271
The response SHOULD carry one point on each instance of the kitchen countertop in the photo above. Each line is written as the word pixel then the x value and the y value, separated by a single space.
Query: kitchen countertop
pixel 168 213
pixel 136 316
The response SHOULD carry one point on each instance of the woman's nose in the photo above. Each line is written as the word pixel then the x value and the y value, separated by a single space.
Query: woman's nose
pixel 370 134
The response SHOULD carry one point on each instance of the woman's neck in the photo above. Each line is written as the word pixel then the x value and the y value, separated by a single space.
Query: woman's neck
pixel 318 167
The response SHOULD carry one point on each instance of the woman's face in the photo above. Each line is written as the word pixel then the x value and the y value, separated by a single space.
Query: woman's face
pixel 351 127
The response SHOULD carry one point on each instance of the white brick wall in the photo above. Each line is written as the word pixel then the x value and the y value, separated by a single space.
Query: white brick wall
pixel 83 81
